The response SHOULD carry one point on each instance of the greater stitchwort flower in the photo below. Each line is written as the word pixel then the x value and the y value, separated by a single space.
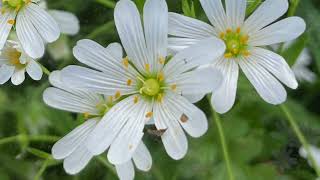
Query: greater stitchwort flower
pixel 14 62
pixel 72 147
pixel 33 25
pixel 155 87
pixel 244 40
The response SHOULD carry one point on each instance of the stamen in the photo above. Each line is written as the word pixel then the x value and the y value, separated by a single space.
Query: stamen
pixel 238 30
pixel 147 67
pixel 129 82
pixel 136 99
pixel 244 39
pixel 160 97
pixel 246 53
pixel 149 114
pixel 11 21
pixel 162 60
pixel 160 76
pixel 117 95
pixel 125 62
pixel 228 55
pixel 110 99
pixel 174 87
pixel 86 115
pixel 229 31
pixel 222 34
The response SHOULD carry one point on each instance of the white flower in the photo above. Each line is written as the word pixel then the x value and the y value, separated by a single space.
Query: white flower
pixel 14 62
pixel 34 26
pixel 315 152
pixel 244 40
pixel 301 70
pixel 68 22
pixel 152 85
pixel 71 148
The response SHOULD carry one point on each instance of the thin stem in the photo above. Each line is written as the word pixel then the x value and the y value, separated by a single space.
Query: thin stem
pixel 105 163
pixel 293 7
pixel 223 143
pixel 100 30
pixel 301 137
pixel 34 138
pixel 44 69
pixel 107 3
pixel 42 169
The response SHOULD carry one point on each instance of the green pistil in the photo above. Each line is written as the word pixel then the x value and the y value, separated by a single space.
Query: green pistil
pixel 15 4
pixel 151 87
pixel 236 43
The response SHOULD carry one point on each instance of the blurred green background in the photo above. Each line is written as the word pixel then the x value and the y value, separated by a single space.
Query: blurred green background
pixel 262 145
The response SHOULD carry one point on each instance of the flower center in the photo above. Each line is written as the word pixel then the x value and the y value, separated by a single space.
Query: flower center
pixel 15 4
pixel 14 58
pixel 150 87
pixel 236 43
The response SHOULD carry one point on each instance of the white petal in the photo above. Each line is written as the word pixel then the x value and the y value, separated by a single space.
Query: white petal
pixel 5 27
pixel 174 138
pixel 315 152
pixel 215 13
pixel 115 50
pixel 276 65
pixel 18 77
pixel 34 70
pixel 267 12
pixel 46 26
pixel 68 22
pixel 73 141
pixel 77 161
pixel 224 97
pixel 192 119
pixel 124 146
pixel 236 12
pixel 128 23
pixel 282 31
pixel 193 98
pixel 5 73
pixel 201 53
pixel 142 157
pixel 28 36
pixel 200 81
pixel 95 81
pixel 155 16
pixel 268 87
pixel 67 101
pixel 110 125
pixel 178 44
pixel 183 26
pixel 125 171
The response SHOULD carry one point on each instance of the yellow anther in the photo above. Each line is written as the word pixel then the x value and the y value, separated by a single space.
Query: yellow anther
pixel 160 97
pixel 173 87
pixel 125 62
pixel 229 31
pixel 86 115
pixel 130 147
pixel 238 30
pixel 117 95
pixel 149 114
pixel 246 53
pixel 228 55
pixel 244 39
pixel 27 1
pixel 147 67
pixel 162 60
pixel 235 51
pixel 110 99
pixel 11 21
pixel 160 76
pixel 136 99
pixel 221 35
pixel 129 82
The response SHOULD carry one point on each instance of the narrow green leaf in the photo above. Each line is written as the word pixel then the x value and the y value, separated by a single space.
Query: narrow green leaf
pixel 252 5
pixel 188 8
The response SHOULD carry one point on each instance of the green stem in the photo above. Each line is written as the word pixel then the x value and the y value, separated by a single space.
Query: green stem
pixel 301 137
pixel 42 169
pixel 105 163
pixel 34 138
pixel 100 30
pixel 107 3
pixel 44 69
pixel 293 7
pixel 223 143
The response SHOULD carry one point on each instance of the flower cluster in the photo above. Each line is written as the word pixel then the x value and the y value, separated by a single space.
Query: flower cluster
pixel 164 64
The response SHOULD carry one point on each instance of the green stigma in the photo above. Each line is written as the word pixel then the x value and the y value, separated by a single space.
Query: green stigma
pixel 236 43
pixel 151 87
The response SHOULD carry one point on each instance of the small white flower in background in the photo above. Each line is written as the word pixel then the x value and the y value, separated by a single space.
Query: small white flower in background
pixel 154 85
pixel 244 40
pixel 68 22
pixel 71 148
pixel 301 69
pixel 315 154
pixel 14 62
pixel 33 25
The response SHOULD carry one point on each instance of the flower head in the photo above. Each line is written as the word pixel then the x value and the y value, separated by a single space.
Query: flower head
pixel 244 40
pixel 71 148
pixel 14 62
pixel 153 85
pixel 34 26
